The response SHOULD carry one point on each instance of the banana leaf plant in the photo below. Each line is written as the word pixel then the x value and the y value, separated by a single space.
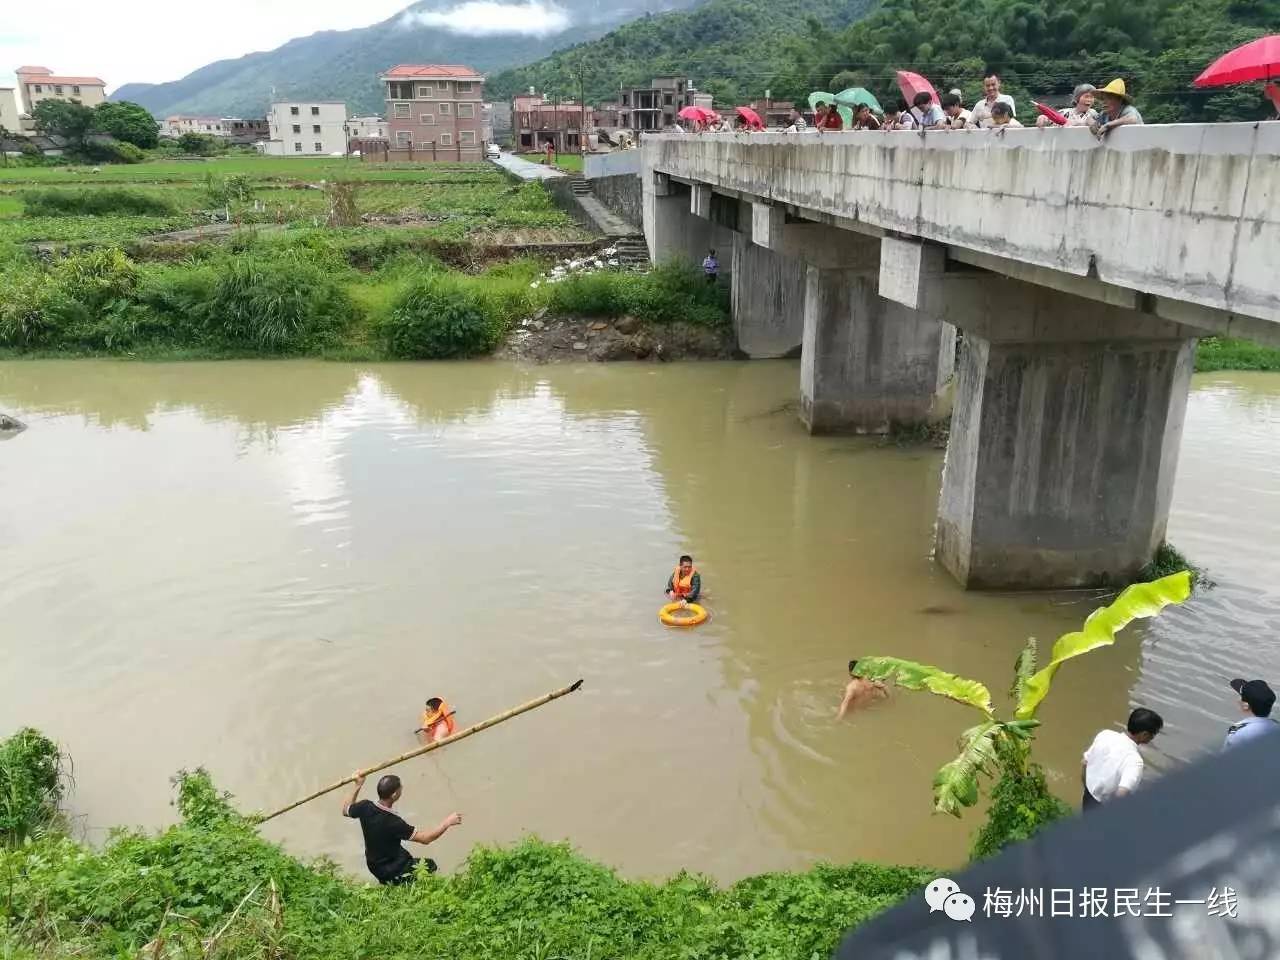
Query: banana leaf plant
pixel 956 784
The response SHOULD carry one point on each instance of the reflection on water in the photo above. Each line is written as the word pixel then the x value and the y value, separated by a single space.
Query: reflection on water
pixel 265 568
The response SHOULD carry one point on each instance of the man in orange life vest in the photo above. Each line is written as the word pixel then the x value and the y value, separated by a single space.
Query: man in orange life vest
pixel 685 583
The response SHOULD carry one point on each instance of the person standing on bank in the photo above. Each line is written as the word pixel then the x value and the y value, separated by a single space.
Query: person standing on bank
pixel 711 267
pixel 385 830
pixel 1112 766
pixel 1256 701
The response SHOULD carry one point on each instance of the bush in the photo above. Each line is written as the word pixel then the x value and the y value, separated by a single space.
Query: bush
pixel 279 305
pixel 212 872
pixel 1021 804
pixel 96 202
pixel 31 785
pixel 200 144
pixel 670 293
pixel 112 151
pixel 438 318
pixel 1222 353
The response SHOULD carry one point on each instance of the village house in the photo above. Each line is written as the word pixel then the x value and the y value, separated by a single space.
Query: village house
pixel 434 112
pixel 306 128
pixel 538 121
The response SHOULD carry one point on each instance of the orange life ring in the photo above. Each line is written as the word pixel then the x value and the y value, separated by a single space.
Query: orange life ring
pixel 697 614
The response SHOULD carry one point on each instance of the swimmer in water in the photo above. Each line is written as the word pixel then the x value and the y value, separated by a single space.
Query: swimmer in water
pixel 860 693
pixel 437 720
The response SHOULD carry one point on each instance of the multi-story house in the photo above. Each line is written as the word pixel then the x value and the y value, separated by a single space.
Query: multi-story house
pixel 538 121
pixel 655 106
pixel 306 128
pixel 232 128
pixel 40 83
pixel 366 128
pixel 434 112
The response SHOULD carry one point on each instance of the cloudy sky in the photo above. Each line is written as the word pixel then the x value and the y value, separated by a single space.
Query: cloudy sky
pixel 158 40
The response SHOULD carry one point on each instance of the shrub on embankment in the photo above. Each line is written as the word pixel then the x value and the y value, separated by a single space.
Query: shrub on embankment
pixel 98 202
pixel 1221 353
pixel 303 294
pixel 102 301
pixel 210 886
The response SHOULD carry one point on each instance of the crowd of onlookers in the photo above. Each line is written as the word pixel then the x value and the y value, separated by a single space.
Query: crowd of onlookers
pixel 1101 110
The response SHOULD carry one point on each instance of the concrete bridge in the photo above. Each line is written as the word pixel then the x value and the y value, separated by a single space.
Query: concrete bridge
pixel 1081 275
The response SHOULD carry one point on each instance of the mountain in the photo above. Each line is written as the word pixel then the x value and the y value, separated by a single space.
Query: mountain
pixel 345 65
pixel 734 49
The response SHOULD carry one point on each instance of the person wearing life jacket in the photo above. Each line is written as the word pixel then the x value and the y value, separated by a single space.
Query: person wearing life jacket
pixel 437 720
pixel 685 583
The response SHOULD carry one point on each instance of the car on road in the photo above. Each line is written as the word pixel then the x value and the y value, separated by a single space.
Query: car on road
pixel 492 151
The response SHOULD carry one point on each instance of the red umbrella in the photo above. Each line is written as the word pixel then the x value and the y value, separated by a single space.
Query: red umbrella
pixel 697 114
pixel 752 118
pixel 912 83
pixel 1258 60
pixel 1051 113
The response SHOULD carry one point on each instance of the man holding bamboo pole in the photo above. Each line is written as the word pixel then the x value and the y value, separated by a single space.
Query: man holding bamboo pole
pixel 385 830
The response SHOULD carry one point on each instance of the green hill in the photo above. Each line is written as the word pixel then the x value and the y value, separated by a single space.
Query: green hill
pixel 739 48
pixel 735 49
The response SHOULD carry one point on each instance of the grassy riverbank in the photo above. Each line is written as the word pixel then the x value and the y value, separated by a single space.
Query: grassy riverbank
pixel 1218 353
pixel 211 887
pixel 388 262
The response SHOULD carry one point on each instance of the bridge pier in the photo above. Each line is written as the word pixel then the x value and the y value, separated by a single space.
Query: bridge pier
pixel 1064 440
pixel 768 300
pixel 867 364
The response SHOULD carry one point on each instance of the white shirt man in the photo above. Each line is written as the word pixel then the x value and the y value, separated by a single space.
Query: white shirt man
pixel 1112 766
pixel 981 113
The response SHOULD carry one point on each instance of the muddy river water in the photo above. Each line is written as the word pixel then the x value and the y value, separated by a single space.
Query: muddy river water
pixel 264 568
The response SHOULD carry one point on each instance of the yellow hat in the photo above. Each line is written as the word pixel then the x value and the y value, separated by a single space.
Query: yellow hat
pixel 1116 87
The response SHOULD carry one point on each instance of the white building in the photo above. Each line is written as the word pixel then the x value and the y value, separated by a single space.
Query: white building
pixel 9 110
pixel 366 128
pixel 306 128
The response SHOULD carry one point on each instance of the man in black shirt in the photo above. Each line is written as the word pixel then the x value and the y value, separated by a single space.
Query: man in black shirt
pixel 384 831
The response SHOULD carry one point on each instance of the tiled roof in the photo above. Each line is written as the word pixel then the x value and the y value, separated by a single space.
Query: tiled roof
pixel 33 70
pixel 87 81
pixel 435 70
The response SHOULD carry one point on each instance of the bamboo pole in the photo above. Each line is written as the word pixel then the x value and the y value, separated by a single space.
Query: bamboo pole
pixel 419 751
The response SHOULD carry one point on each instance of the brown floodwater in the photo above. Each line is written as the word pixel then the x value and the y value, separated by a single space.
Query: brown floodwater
pixel 264 568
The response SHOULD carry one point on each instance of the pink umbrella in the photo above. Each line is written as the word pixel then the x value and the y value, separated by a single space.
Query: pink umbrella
pixel 912 83
pixel 752 118
pixel 1259 60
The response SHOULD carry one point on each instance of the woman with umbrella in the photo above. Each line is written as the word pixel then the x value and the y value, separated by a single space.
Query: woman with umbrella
pixel 1257 60
pixel 828 117
pixel 1117 107
pixel 1081 113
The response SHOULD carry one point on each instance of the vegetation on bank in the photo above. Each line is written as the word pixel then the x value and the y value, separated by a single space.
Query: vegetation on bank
pixel 381 261
pixel 211 887
pixel 1221 353
pixel 315 292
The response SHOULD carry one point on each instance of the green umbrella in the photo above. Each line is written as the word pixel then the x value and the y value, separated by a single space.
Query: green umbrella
pixel 858 95
pixel 818 97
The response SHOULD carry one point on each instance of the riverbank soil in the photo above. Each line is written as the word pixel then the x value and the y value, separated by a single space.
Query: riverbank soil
pixel 549 339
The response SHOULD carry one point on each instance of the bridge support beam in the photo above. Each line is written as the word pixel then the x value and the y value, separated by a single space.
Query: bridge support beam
pixel 768 300
pixel 1064 442
pixel 867 364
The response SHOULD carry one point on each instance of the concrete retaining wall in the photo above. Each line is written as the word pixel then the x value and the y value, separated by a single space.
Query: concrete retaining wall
pixel 622 195
pixel 611 164
pixel 1190 212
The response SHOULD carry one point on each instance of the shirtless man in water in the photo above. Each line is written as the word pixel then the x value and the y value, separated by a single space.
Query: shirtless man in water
pixel 860 693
